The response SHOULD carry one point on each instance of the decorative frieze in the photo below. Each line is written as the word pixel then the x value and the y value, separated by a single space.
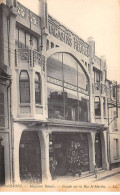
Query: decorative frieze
pixel 27 14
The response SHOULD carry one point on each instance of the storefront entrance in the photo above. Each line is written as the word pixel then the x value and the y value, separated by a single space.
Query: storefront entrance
pixel 30 157
pixel 98 151
pixel 69 152
pixel 2 170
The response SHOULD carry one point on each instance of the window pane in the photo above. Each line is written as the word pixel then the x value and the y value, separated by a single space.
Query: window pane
pixel 24 87
pixel 71 105
pixel 37 88
pixel 83 110
pixel 55 104
pixel 21 37
pixel 97 106
pixel 69 69
pixel 27 39
pixel 54 66
pixel 35 42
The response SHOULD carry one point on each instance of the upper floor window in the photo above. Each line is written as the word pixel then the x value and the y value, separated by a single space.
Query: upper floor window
pixel 96 76
pixel 2 112
pixel 97 106
pixel 116 148
pixel 24 39
pixel 24 87
pixel 114 92
pixel 37 88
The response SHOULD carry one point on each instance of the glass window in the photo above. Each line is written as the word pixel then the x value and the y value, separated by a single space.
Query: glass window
pixel 97 106
pixel 24 87
pixel 34 42
pixel 65 102
pixel 37 88
pixel 83 105
pixel 115 120
pixel 69 69
pixel 54 66
pixel 21 38
pixel 71 105
pixel 104 106
pixel 116 148
pixel 55 103
pixel 2 111
pixel 96 76
pixel 27 39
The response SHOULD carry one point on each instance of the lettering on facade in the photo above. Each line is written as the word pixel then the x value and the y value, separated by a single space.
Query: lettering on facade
pixel 66 36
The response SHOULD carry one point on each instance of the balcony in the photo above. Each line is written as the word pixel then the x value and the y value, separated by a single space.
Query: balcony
pixel 30 58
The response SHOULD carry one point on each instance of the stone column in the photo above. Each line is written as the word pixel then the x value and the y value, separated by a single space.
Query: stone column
pixel 101 108
pixel 91 142
pixel 44 144
pixel 18 129
pixel 105 164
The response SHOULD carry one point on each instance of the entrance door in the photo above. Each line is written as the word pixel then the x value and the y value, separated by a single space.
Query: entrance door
pixel 2 170
pixel 30 157
pixel 98 150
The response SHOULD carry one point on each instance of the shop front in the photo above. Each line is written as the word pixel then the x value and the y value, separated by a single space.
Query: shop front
pixel 70 153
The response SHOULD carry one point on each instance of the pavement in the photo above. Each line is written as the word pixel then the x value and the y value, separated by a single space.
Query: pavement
pixel 102 175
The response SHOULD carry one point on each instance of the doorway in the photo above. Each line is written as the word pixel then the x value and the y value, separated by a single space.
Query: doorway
pixel 30 157
pixel 98 151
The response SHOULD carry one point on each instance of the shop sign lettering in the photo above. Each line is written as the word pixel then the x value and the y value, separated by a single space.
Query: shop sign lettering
pixel 69 38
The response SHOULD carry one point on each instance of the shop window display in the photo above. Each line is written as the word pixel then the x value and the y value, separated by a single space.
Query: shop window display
pixel 68 154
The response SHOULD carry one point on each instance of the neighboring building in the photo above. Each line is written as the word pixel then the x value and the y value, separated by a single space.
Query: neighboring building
pixel 57 99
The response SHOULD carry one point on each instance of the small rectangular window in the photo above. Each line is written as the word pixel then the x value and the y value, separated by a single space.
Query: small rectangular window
pixel 52 45
pixel 2 111
pixel 116 148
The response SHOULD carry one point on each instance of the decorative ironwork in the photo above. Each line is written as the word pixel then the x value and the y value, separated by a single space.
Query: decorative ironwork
pixel 24 54
pixel 36 58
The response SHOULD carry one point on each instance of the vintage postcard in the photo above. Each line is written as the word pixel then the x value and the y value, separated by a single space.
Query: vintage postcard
pixel 59 95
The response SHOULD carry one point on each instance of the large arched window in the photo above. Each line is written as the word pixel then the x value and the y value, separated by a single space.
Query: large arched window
pixel 68 96
pixel 37 88
pixel 24 87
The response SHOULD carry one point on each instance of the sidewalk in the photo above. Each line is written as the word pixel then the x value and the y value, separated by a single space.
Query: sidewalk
pixel 90 177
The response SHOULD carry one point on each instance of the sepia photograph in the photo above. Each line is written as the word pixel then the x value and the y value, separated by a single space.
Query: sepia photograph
pixel 59 95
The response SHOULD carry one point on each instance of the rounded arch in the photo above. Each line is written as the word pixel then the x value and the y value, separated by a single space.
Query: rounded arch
pixel 76 55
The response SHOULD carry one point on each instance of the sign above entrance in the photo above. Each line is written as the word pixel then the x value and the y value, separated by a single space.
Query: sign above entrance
pixel 66 36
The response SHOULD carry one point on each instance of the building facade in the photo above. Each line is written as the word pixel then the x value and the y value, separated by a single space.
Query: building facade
pixel 58 107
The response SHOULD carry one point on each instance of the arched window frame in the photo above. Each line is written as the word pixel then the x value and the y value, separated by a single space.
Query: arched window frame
pixel 97 106
pixel 24 87
pixel 38 88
